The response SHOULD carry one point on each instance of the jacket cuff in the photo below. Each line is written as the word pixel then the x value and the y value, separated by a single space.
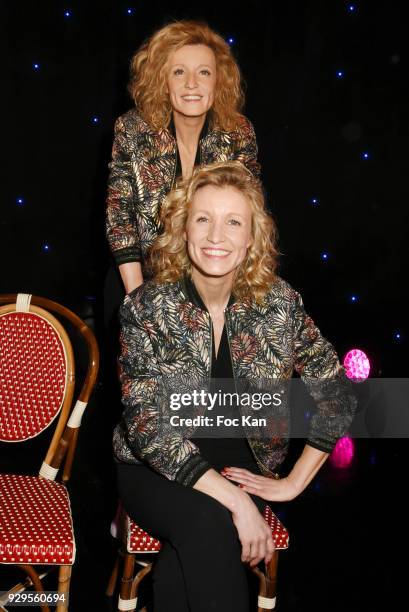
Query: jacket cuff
pixel 192 470
pixel 321 445
pixel 126 255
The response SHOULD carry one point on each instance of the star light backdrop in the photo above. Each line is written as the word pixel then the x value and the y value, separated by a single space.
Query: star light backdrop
pixel 324 91
pixel 327 91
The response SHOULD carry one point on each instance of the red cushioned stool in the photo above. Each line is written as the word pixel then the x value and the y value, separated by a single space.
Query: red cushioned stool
pixel 37 379
pixel 138 543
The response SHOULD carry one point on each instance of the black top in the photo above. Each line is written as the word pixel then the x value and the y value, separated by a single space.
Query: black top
pixel 221 452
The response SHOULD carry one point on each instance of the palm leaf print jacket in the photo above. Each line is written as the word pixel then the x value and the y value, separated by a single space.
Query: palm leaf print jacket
pixel 144 167
pixel 166 335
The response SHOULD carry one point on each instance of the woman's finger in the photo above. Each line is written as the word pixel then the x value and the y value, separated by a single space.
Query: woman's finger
pixel 249 489
pixel 245 552
pixel 246 481
pixel 241 472
pixel 254 553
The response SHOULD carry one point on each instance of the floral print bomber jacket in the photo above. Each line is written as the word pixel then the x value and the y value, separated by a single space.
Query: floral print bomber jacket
pixel 144 168
pixel 166 336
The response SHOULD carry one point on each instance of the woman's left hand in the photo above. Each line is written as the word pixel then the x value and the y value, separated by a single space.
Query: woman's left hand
pixel 269 489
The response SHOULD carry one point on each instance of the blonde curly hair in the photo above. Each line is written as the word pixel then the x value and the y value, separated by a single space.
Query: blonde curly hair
pixel 169 258
pixel 148 82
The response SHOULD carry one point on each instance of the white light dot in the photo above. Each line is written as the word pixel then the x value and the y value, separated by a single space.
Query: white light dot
pixel 36 66
pixel 95 119
pixel 67 13
pixel 340 74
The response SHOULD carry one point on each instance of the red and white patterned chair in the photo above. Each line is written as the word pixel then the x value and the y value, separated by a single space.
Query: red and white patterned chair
pixel 37 377
pixel 137 543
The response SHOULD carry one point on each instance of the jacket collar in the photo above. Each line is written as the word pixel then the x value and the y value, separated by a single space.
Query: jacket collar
pixel 192 295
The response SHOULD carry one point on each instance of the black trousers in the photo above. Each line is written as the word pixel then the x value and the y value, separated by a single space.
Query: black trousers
pixel 198 568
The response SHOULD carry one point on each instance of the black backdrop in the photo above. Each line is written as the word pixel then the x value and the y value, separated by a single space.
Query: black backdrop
pixel 313 128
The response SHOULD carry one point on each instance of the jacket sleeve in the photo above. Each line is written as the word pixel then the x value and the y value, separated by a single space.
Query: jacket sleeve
pixel 245 147
pixel 145 429
pixel 317 363
pixel 121 224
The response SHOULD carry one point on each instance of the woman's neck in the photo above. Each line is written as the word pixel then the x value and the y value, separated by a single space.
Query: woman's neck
pixel 214 291
pixel 188 129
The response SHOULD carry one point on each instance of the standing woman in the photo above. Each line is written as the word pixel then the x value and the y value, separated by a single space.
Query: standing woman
pixel 187 91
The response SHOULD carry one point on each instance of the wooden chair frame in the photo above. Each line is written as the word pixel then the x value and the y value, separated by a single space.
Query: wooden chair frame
pixel 64 441
pixel 130 581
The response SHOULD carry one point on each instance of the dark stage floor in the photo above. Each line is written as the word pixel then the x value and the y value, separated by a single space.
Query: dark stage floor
pixel 345 530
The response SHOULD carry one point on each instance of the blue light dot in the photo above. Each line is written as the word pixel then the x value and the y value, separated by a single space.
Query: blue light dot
pixel 351 8
pixel 397 336
pixel 36 66
pixel 340 74
pixel 314 201
pixel 324 256
pixel 20 201
pixel 354 298
pixel 67 13
pixel 230 40
pixel 95 119
pixel 130 10
pixel 46 247
pixel 365 155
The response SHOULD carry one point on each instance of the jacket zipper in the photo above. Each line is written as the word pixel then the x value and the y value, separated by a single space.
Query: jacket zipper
pixel 174 169
pixel 210 350
pixel 226 317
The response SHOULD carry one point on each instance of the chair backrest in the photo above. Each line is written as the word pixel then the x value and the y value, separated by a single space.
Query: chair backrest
pixel 36 372
pixel 37 376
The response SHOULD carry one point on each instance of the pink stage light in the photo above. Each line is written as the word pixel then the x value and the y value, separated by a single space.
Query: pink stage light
pixel 343 453
pixel 357 365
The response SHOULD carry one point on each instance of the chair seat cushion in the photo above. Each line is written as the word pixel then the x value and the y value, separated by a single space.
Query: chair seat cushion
pixel 278 531
pixel 139 541
pixel 35 521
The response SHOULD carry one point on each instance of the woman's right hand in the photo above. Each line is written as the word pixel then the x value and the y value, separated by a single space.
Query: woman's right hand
pixel 254 533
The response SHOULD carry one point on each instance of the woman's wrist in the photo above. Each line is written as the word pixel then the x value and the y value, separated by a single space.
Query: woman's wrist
pixel 306 467
pixel 227 493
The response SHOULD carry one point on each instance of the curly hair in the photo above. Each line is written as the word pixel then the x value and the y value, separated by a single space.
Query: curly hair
pixel 169 257
pixel 148 88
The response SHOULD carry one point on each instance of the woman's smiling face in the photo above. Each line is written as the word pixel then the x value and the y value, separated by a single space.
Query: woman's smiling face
pixel 218 231
pixel 191 80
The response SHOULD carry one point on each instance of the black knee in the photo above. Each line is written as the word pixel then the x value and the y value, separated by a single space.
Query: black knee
pixel 207 523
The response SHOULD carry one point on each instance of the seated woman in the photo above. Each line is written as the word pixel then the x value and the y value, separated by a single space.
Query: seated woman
pixel 215 308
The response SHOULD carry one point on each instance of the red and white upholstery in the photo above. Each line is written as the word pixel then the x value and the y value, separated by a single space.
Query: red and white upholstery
pixel 278 531
pixel 33 375
pixel 139 541
pixel 35 521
